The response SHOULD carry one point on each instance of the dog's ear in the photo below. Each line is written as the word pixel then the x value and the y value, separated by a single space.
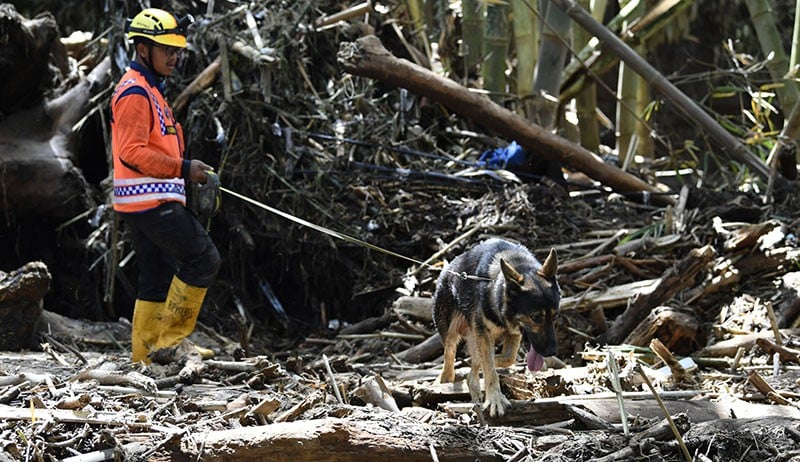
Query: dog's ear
pixel 510 273
pixel 548 269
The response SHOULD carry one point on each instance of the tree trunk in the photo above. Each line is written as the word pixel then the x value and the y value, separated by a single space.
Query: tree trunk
pixel 21 294
pixel 39 174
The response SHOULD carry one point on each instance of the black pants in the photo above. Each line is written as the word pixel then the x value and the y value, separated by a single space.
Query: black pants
pixel 169 241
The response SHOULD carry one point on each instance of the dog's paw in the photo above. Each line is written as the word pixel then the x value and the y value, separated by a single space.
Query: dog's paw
pixel 502 361
pixel 447 377
pixel 496 403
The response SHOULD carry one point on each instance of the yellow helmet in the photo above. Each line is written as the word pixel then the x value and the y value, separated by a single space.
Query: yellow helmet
pixel 159 26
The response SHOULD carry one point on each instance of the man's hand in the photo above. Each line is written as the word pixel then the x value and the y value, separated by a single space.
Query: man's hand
pixel 197 171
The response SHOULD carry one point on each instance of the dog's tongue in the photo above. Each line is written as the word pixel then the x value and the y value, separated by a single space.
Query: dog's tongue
pixel 535 360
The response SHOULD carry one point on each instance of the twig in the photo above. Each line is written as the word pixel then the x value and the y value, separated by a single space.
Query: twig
pixel 434 455
pixel 519 455
pixel 614 372
pixel 604 245
pixel 773 321
pixel 737 359
pixel 333 379
pixel 766 389
pixel 672 426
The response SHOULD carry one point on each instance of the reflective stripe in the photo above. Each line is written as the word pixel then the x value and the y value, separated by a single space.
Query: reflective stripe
pixel 146 189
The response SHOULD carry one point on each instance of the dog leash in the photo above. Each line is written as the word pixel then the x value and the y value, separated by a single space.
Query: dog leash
pixel 342 236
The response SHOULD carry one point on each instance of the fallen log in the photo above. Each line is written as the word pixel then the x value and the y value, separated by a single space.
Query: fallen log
pixel 640 404
pixel 384 437
pixel 429 349
pixel 367 57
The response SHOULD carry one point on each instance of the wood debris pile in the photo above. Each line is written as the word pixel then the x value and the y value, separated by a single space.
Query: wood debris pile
pixel 712 355
pixel 693 306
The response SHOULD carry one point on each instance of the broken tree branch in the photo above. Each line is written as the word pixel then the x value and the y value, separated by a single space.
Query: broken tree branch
pixel 367 57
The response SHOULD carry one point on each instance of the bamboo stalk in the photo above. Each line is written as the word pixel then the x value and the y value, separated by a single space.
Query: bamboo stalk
pixel 734 148
pixel 473 12
pixel 663 407
pixel 349 13
pixel 495 47
pixel 526 45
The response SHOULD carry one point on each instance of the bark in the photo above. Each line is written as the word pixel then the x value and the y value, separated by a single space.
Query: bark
pixel 679 331
pixel 367 57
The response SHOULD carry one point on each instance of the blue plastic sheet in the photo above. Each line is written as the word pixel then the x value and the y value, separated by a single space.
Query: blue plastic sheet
pixel 510 156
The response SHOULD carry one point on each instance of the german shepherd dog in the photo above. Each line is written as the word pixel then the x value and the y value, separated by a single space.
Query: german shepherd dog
pixel 496 291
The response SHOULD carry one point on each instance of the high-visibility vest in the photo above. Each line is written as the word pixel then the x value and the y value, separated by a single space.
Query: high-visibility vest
pixel 147 145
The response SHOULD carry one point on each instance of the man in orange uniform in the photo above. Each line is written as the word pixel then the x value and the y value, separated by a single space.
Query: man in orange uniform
pixel 177 259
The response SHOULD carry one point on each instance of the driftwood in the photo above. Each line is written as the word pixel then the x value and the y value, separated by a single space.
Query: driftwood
pixel 731 269
pixel 425 351
pixel 658 432
pixel 200 83
pixel 367 57
pixel 678 330
pixel 21 294
pixel 673 281
pixel 731 346
pixel 641 405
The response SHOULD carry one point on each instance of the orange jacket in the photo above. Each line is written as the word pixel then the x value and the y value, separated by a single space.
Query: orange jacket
pixel 147 145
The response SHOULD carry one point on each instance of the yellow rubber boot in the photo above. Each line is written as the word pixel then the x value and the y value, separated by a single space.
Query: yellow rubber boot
pixel 180 315
pixel 146 330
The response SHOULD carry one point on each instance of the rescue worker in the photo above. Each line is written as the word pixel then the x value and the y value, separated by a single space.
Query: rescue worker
pixel 177 260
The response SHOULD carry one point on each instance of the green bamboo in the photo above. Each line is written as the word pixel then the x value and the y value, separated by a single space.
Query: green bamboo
pixel 731 146
pixel 599 60
pixel 586 100
pixel 526 44
pixel 472 23
pixel 644 142
pixel 770 40
pixel 495 49
pixel 417 11
pixel 550 65
pixel 627 85
pixel 793 54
